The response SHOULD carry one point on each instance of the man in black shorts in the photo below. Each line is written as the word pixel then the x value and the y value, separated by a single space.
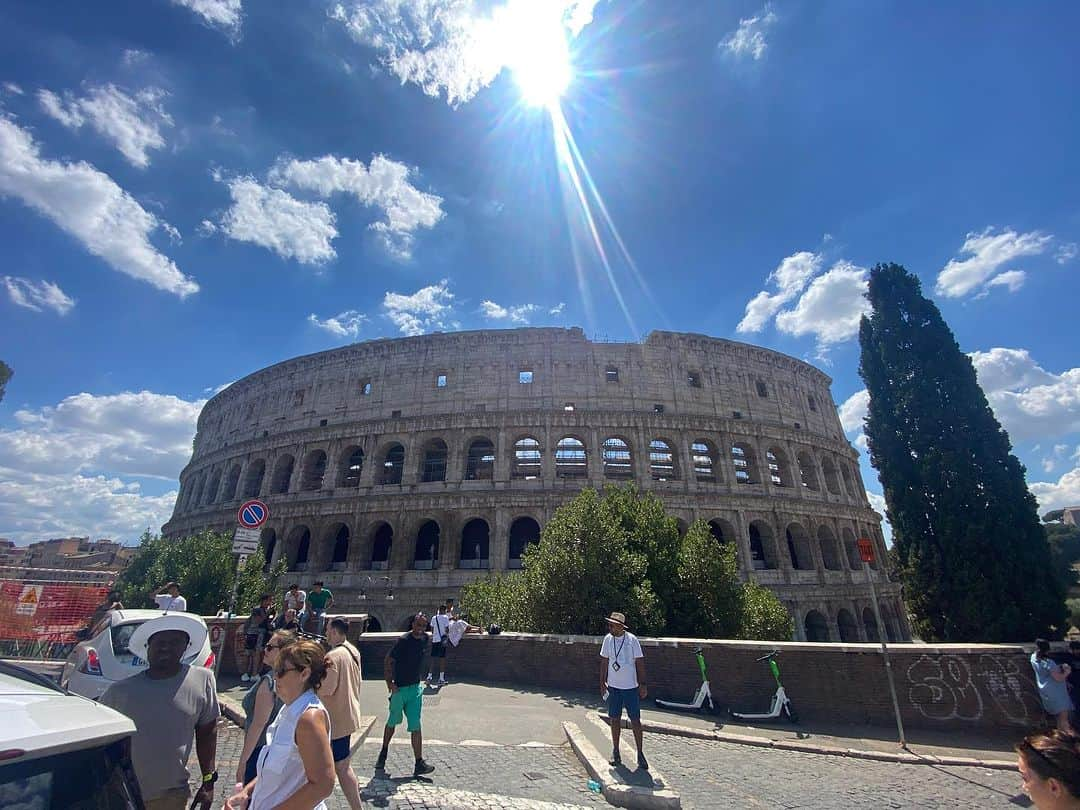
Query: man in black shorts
pixel 256 629
pixel 440 625
pixel 401 669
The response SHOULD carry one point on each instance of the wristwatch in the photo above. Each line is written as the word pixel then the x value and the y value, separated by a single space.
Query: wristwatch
pixel 209 778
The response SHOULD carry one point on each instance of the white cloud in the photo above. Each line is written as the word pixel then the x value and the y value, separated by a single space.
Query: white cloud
pixel 1013 279
pixel 557 309
pixel 206 228
pixel 1057 494
pixel 1066 252
pixel 1057 455
pixel 424 310
pixel 830 308
pixel 132 123
pixel 383 184
pixel 132 434
pixel 37 507
pixel 749 38
pixel 88 205
pixel 274 219
pixel 133 56
pixel 518 314
pixel 877 502
pixel 38 295
pixel 14 89
pixel 853 411
pixel 342 325
pixel 986 253
pixel 1030 402
pixel 225 15
pixel 456 47
pixel 790 277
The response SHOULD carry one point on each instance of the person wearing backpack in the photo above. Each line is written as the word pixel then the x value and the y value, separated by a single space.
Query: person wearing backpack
pixel 440 626
pixel 261 706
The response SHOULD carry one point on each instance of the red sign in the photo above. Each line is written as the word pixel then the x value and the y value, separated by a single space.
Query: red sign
pixel 253 514
pixel 866 550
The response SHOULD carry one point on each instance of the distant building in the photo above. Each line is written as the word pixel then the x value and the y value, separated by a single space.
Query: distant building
pixel 53 559
pixel 11 556
pixel 1071 516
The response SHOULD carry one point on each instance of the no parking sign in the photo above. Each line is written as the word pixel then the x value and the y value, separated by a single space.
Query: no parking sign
pixel 253 514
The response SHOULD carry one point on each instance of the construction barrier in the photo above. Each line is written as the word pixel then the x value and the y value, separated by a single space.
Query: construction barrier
pixel 41 615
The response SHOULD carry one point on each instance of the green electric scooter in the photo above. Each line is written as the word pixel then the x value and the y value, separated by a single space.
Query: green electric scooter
pixel 781 703
pixel 703 696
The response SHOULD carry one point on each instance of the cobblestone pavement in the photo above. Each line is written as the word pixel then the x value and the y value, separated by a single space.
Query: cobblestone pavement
pixel 711 774
pixel 482 776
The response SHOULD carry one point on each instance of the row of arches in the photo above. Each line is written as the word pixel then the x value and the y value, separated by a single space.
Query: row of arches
pixel 797 547
pixel 853 627
pixel 335 552
pixel 570 458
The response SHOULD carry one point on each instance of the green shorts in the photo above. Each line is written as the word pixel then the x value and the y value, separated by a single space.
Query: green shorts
pixel 407 700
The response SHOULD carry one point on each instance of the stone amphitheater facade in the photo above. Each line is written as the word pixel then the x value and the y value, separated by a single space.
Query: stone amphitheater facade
pixel 397 470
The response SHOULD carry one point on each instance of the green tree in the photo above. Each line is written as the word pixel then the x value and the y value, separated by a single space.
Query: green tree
pixel 1054 515
pixel 764 617
pixel 497 599
pixel 710 600
pixel 1064 542
pixel 965 526
pixel 203 565
pixel 5 374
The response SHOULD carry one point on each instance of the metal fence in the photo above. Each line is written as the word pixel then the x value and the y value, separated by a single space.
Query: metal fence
pixel 43 610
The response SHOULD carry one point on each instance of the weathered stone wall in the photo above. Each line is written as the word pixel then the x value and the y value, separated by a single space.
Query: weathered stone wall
pixel 315 438
pixel 950 686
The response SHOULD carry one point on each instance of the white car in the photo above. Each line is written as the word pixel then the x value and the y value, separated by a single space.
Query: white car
pixel 62 750
pixel 104 658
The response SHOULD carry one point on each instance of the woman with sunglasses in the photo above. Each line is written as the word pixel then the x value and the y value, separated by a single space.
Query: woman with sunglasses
pixel 296 767
pixel 261 706
pixel 1050 767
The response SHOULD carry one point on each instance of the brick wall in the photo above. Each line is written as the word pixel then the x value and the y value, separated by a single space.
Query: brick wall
pixel 951 686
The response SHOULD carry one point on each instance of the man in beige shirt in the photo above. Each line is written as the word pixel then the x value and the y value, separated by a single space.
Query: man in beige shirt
pixel 340 694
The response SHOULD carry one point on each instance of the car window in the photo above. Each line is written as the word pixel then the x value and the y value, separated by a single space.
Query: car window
pixel 121 635
pixel 91 779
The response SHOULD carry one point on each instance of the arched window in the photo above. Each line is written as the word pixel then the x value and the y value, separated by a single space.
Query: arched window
pixel 279 483
pixel 527 459
pixel 232 480
pixel 828 470
pixel 268 539
pixel 846 476
pixel 618 462
pixel 393 464
pixel 480 461
pixel 762 547
pixel 724 533
pixel 197 491
pixel 523 532
pixel 215 486
pixel 434 468
pixel 851 549
pixel 381 543
pixel 351 467
pixel 845 623
pixel 570 458
pixel 661 461
pixel 297 547
pixel 807 472
pixel 870 625
pixel 779 472
pixel 314 471
pixel 830 552
pixel 340 539
pixel 475 544
pixel 817 628
pixel 426 552
pixel 798 543
pixel 762 391
pixel 253 481
pixel 703 456
pixel 742 457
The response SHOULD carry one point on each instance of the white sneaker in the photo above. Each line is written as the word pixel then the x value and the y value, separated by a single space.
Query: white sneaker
pixel 245 678
pixel 429 679
pixel 442 679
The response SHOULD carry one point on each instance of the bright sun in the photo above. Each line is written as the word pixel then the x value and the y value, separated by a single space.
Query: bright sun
pixel 539 56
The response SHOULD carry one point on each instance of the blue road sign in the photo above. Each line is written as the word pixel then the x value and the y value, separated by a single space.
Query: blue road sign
pixel 253 514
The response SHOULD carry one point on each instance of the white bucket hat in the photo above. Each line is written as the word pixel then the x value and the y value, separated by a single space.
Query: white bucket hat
pixel 184 622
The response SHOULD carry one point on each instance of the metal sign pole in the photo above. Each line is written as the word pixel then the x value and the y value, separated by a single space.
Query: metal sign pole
pixel 885 654
pixel 240 560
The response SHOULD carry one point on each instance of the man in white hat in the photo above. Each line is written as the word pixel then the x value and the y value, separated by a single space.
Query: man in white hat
pixel 622 682
pixel 170 702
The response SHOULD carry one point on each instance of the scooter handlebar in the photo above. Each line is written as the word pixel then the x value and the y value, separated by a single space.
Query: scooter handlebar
pixel 773 654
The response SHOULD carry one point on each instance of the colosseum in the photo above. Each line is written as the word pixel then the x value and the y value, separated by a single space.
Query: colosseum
pixel 397 470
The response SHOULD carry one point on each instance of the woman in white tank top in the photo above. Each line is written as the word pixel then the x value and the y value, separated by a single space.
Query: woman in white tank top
pixel 296 765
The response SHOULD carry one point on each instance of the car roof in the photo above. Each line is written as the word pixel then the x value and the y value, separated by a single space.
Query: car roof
pixel 126 616
pixel 42 720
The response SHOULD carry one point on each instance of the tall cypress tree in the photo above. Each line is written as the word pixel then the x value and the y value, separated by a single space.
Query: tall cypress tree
pixel 972 554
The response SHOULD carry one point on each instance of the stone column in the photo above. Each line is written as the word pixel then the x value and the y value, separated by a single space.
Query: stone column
pixel 499 540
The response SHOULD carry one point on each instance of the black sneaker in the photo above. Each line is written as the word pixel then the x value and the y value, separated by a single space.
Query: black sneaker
pixel 615 760
pixel 380 763
pixel 422 768
pixel 642 763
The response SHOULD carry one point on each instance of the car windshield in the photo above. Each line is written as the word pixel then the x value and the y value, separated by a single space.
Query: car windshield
pixel 91 779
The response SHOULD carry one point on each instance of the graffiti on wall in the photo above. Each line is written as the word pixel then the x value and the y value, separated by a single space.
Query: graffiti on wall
pixel 947 687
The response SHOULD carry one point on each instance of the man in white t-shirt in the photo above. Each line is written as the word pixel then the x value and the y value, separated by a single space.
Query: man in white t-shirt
pixel 622 683
pixel 295 599
pixel 170 599
pixel 440 627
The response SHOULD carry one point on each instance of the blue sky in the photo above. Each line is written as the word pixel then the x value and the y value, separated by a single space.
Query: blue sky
pixel 191 190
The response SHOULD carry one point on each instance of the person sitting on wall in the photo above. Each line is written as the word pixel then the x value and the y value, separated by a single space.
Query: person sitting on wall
pixel 287 621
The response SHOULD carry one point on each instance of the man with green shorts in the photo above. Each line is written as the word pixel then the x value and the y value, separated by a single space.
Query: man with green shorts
pixel 401 669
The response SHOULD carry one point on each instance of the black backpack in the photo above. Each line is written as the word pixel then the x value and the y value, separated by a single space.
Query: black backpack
pixel 494 629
